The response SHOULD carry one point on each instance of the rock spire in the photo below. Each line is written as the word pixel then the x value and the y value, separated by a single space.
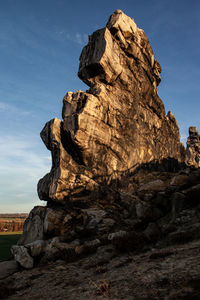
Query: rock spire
pixel 118 124
pixel 193 148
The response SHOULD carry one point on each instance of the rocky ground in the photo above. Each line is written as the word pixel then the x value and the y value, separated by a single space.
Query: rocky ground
pixel 167 273
pixel 152 252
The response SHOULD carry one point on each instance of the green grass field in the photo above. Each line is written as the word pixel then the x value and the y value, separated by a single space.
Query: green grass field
pixel 7 239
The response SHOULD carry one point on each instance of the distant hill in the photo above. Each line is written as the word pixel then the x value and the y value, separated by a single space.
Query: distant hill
pixel 18 215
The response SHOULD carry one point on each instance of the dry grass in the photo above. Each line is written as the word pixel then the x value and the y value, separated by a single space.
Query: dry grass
pixel 103 290
pixel 10 233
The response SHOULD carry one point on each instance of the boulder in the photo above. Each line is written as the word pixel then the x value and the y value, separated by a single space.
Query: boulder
pixel 147 190
pixel 93 217
pixel 147 212
pixel 178 203
pixel 179 179
pixel 22 256
pixel 37 248
pixel 33 226
pixel 152 232
pixel 53 221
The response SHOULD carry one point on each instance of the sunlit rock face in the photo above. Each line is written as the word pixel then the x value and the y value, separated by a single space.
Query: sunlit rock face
pixel 193 148
pixel 118 124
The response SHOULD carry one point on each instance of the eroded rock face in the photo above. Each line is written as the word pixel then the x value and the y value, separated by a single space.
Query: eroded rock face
pixel 119 123
pixel 193 148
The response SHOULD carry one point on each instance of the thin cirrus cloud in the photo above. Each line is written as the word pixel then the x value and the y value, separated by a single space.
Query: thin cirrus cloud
pixel 78 38
pixel 22 163
pixel 5 107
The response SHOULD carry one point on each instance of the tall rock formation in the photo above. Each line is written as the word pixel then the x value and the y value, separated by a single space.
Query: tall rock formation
pixel 193 148
pixel 106 132
pixel 118 124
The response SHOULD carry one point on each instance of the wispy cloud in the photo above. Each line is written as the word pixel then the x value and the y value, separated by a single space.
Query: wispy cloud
pixel 23 152
pixel 78 38
pixel 5 107
pixel 23 161
pixel 81 39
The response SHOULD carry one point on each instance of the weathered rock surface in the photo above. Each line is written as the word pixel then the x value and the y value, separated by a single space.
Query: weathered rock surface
pixel 155 207
pixel 119 123
pixel 21 255
pixel 33 226
pixel 8 268
pixel 193 148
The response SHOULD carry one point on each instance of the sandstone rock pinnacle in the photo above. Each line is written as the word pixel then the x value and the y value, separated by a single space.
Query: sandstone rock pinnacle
pixel 116 197
pixel 119 123
pixel 193 148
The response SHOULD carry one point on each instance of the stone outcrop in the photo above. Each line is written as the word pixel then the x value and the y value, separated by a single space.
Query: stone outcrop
pixel 115 187
pixel 118 124
pixel 100 190
pixel 107 133
pixel 155 208
pixel 193 148
pixel 150 233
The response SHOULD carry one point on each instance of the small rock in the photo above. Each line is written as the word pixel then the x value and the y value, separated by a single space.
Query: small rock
pixel 106 225
pixel 148 196
pixel 22 256
pixel 179 180
pixel 156 185
pixel 93 244
pixel 178 202
pixel 37 247
pixel 152 232
pixel 74 243
pixel 162 200
pixel 143 210
pixel 33 226
pixel 94 217
pixel 118 234
pixel 151 187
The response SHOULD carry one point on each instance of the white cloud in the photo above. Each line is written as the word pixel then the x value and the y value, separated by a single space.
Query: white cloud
pixel 5 107
pixel 78 38
pixel 23 161
pixel 22 152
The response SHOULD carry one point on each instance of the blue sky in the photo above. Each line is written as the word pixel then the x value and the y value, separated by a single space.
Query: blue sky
pixel 40 45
